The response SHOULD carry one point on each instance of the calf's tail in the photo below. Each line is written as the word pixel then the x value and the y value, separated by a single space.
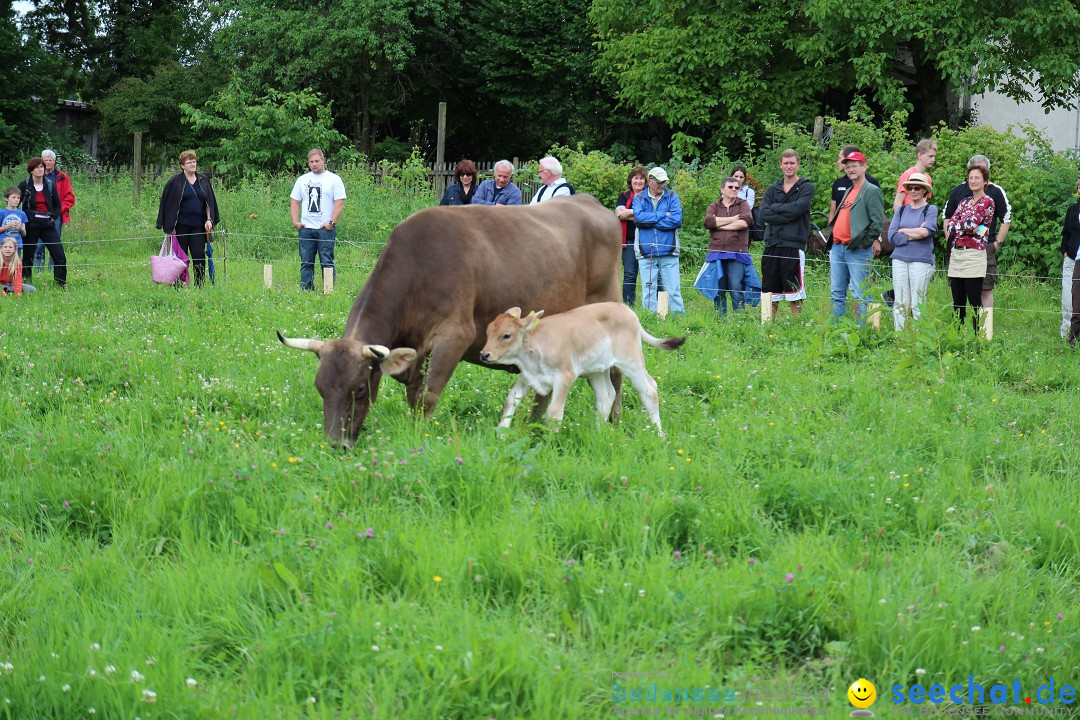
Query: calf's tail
pixel 666 343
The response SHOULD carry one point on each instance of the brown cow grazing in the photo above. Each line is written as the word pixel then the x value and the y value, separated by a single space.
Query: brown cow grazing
pixel 587 341
pixel 444 274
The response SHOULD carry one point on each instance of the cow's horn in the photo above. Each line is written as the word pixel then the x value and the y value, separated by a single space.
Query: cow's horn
pixel 376 352
pixel 310 344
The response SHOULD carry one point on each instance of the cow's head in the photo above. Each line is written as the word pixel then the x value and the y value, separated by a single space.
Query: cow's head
pixel 348 380
pixel 505 334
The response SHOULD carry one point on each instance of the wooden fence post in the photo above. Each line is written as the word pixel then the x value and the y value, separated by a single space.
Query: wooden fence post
pixel 819 129
pixel 766 307
pixel 327 280
pixel 136 168
pixel 440 147
pixel 268 276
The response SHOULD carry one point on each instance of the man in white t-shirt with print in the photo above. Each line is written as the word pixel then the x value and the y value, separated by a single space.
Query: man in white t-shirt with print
pixel 316 202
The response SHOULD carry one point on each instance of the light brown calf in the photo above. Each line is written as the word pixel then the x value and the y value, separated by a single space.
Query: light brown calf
pixel 586 341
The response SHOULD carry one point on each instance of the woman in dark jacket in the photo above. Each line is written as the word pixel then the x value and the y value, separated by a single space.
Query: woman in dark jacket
pixel 461 191
pixel 41 203
pixel 624 210
pixel 189 209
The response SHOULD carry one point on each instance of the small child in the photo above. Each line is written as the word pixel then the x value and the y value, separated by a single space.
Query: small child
pixel 12 219
pixel 11 269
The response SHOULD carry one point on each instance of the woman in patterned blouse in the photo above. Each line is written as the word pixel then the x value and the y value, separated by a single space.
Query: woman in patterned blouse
pixel 967 231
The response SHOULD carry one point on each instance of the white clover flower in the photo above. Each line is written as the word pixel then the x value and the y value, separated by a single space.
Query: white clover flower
pixel 439 648
pixel 1039 650
pixel 191 682
pixel 950 509
pixel 92 672
pixel 110 669
pixel 975 628
pixel 374 648
pixel 311 700
pixel 91 711
pixel 95 646
pixel 65 687
pixel 919 672
pixel 641 593
pixel 137 677
pixel 149 696
pixel 882 601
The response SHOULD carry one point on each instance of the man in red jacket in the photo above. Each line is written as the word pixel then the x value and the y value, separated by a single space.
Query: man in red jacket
pixel 67 200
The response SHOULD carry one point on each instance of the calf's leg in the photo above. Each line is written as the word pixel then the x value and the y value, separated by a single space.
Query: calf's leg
pixel 645 385
pixel 604 392
pixel 512 399
pixel 559 392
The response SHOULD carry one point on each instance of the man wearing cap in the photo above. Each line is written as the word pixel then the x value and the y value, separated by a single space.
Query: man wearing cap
pixel 912 234
pixel 499 190
pixel 843 183
pixel 785 211
pixel 999 227
pixel 855 230
pixel 657 218
pixel 1070 274
pixel 554 186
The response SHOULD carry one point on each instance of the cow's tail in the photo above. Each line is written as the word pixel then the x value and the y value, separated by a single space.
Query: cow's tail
pixel 666 343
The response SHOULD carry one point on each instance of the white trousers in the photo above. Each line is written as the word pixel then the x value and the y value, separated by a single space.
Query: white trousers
pixel 910 281
pixel 1066 294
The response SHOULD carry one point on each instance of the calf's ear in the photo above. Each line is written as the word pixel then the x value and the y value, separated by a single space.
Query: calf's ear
pixel 514 312
pixel 535 316
pixel 397 361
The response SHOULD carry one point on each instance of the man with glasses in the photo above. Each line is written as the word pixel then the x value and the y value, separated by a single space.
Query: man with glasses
pixel 499 190
pixel 657 218
pixel 554 186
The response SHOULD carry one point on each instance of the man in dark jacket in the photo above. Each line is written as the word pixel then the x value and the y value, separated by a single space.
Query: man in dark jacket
pixel 785 211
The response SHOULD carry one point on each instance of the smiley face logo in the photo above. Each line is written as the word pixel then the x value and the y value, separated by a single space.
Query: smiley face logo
pixel 862 693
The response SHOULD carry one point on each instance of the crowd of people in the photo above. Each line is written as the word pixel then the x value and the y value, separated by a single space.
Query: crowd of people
pixel 972 226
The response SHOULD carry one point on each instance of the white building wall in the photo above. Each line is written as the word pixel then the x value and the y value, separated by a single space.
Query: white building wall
pixel 1061 127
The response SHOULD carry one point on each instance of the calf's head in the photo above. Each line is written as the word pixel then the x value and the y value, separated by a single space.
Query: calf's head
pixel 348 380
pixel 505 334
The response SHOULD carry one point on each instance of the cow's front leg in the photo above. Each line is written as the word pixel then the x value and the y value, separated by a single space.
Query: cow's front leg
pixel 445 356
pixel 414 383
pixel 512 399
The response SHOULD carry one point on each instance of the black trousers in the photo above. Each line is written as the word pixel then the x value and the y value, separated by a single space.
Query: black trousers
pixel 1074 324
pixel 192 239
pixel 48 236
pixel 970 290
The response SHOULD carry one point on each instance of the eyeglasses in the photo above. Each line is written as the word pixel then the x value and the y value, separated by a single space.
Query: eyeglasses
pixel 465 174
pixel 731 187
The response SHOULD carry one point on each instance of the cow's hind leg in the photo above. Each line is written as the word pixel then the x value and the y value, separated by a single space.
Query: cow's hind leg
pixel 645 385
pixel 604 392
pixel 616 385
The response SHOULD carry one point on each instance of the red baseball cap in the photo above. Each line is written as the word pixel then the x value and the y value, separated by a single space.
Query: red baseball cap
pixel 856 156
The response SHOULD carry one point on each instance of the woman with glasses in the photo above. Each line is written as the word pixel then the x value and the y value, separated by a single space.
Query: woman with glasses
pixel 462 190
pixel 912 234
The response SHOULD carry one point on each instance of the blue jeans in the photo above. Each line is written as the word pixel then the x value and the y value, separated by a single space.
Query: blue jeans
pixel 663 269
pixel 39 252
pixel 732 282
pixel 312 241
pixel 629 274
pixel 849 268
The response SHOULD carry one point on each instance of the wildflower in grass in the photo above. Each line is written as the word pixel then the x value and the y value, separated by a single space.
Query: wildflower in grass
pixel 191 682
pixel 137 677
pixel 437 578
pixel 7 668
pixel 110 669
pixel 975 628
pixel 67 504
pixel 709 554
pixel 790 577
pixel 91 711
pixel 292 459
pixel 92 672
pixel 1039 650
pixel 1001 648
pixel 570 562
pixel 374 648
pixel 311 701
pixel 641 593
pixel 95 646
pixel 66 687
pixel 677 555
pixel 950 509
pixel 751 560
pixel 459 460
pixel 150 662
pixel 149 696
pixel 919 672
pixel 439 648
pixel 329 525
pixel 1061 616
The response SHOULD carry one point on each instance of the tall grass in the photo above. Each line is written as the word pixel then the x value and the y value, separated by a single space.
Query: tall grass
pixel 830 503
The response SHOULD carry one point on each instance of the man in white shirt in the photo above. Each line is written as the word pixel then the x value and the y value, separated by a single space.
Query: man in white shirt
pixel 554 185
pixel 316 202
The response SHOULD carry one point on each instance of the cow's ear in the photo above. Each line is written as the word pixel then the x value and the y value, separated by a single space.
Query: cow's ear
pixel 397 361
pixel 535 316
pixel 514 312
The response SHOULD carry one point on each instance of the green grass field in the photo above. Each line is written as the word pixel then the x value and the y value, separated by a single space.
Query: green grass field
pixel 829 504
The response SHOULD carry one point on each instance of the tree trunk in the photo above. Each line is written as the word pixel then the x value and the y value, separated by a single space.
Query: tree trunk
pixel 930 94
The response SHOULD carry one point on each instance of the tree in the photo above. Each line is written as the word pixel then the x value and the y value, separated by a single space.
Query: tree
pixel 915 55
pixel 351 52
pixel 274 131
pixel 710 70
pixel 30 88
